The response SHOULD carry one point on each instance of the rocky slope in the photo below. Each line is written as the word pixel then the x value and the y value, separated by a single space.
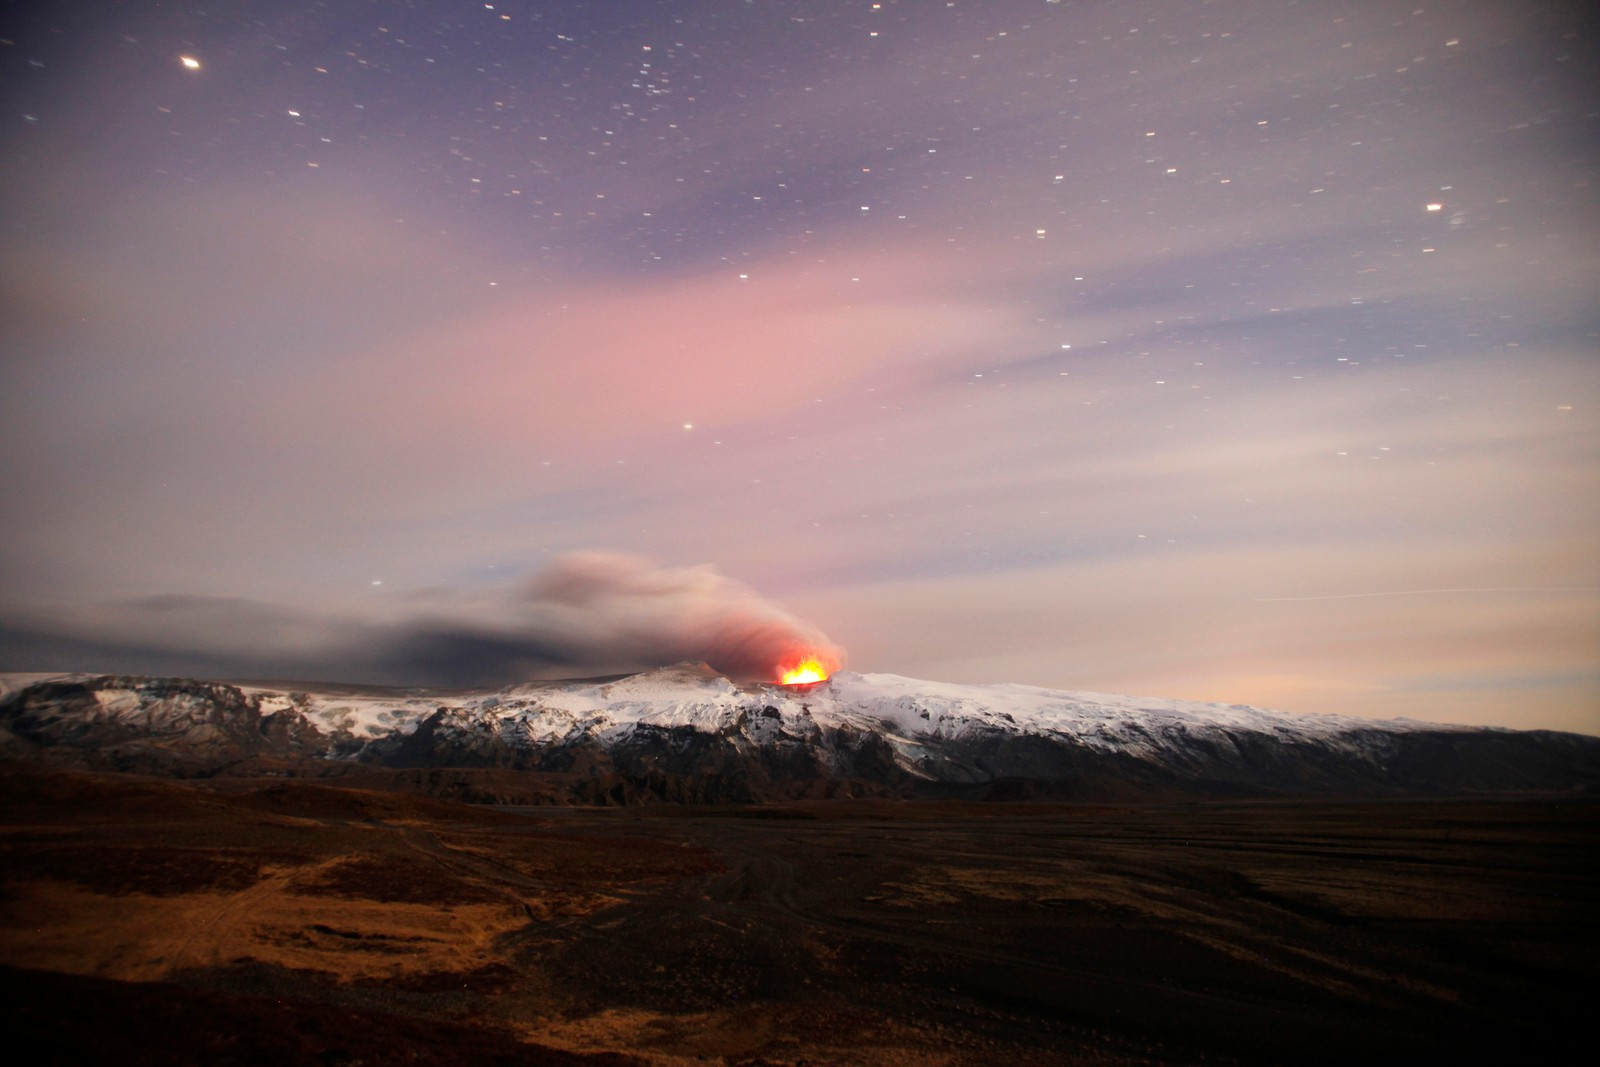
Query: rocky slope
pixel 688 734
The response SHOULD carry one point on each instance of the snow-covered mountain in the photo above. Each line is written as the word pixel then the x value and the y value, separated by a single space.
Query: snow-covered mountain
pixel 689 733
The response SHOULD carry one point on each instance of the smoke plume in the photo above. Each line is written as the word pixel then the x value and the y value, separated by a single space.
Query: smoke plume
pixel 587 613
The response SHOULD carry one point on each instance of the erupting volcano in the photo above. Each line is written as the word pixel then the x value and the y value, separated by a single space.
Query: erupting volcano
pixel 808 670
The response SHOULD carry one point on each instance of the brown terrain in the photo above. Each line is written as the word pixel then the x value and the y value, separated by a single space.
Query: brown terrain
pixel 153 922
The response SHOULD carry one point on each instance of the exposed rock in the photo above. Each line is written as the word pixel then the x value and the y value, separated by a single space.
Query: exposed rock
pixel 687 735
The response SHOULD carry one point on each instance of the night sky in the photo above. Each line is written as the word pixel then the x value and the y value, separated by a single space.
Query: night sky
pixel 1239 351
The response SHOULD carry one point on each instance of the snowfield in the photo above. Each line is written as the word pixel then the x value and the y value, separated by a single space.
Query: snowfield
pixel 690 733
pixel 692 696
pixel 695 697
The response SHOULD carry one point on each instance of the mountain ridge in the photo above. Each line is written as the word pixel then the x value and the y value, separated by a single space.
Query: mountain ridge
pixel 689 734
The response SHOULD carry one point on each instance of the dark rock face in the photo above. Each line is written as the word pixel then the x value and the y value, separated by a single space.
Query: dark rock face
pixel 151 725
pixel 747 752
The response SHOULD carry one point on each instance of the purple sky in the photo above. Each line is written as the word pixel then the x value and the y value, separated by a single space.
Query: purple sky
pixel 1241 351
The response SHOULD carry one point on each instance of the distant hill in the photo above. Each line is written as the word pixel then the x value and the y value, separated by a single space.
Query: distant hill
pixel 688 734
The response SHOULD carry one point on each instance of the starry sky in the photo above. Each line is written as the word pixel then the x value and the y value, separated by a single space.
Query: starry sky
pixel 1238 351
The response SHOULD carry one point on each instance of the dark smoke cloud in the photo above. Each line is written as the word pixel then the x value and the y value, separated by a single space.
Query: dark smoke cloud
pixel 587 613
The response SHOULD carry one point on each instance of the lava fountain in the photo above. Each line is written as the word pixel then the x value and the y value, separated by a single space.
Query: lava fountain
pixel 803 671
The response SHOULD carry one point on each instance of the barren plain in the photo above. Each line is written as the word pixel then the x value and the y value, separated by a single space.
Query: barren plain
pixel 244 922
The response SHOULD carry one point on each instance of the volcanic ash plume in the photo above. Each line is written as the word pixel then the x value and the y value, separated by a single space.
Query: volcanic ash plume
pixel 624 610
pixel 587 613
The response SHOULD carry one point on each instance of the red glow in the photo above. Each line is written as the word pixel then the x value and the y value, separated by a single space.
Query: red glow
pixel 803 671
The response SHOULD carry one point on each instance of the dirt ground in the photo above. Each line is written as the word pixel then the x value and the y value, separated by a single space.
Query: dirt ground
pixel 297 923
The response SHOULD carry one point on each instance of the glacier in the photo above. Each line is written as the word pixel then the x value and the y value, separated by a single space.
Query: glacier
pixel 686 731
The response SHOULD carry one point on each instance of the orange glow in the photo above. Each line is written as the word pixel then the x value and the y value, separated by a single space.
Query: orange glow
pixel 807 670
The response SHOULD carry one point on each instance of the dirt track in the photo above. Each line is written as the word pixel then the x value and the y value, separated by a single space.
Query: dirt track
pixel 868 933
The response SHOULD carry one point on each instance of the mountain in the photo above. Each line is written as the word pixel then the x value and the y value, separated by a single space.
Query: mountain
pixel 688 734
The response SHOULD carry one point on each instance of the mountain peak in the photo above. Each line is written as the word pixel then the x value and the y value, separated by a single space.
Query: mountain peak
pixel 878 733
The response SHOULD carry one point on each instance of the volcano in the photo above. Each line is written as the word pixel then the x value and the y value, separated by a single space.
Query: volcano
pixel 687 733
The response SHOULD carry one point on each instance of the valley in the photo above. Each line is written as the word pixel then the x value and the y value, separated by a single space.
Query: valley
pixel 254 921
